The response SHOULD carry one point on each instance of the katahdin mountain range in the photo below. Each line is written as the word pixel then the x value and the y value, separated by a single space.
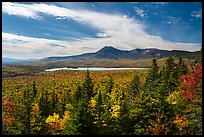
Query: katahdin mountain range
pixel 109 52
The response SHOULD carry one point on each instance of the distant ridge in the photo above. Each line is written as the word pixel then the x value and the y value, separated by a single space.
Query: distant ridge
pixel 109 52
pixel 13 60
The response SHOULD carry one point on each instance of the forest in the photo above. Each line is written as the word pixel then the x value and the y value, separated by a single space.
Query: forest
pixel 164 100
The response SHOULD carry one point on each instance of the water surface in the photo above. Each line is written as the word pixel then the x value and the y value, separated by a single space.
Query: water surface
pixel 95 69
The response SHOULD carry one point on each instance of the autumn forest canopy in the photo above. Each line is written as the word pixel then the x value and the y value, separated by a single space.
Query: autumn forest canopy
pixel 159 101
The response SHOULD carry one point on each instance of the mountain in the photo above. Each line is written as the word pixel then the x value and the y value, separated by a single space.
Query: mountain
pixel 109 52
pixel 13 60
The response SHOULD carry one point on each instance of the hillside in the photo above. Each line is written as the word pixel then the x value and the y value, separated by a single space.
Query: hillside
pixel 109 52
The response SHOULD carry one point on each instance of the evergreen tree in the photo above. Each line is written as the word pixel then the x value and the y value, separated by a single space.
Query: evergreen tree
pixel 169 76
pixel 99 102
pixel 135 87
pixel 124 122
pixel 110 84
pixel 99 110
pixel 169 66
pixel 78 93
pixel 26 113
pixel 88 86
pixel 140 113
pixel 152 78
pixel 34 90
pixel 85 118
pixel 109 87
pixel 28 110
pixel 44 105
pixel 182 67
pixel 154 69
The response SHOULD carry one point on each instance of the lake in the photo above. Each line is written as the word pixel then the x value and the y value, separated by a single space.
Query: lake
pixel 95 69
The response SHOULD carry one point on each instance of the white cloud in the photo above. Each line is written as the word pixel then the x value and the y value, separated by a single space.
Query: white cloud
pixel 197 14
pixel 17 46
pixel 101 34
pixel 125 16
pixel 30 47
pixel 123 32
pixel 19 10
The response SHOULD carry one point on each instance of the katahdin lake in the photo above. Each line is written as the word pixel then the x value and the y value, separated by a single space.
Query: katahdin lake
pixel 94 69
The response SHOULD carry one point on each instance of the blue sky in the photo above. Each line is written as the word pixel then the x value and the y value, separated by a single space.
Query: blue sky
pixel 37 30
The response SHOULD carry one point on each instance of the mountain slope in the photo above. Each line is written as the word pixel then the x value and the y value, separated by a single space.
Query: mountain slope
pixel 109 52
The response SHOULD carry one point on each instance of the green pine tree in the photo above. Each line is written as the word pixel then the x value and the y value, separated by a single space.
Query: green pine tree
pixel 110 85
pixel 125 126
pixel 135 87
pixel 87 86
pixel 34 90
pixel 182 68
pixel 152 78
pixel 28 102
pixel 169 76
pixel 78 93
pixel 85 118
pixel 44 105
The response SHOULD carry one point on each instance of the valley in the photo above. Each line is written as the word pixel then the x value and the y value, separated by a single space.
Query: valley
pixel 107 57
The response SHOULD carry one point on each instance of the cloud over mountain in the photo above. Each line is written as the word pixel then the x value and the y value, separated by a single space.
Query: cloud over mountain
pixel 114 30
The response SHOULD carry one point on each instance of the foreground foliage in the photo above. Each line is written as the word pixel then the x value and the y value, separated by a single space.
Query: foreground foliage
pixel 165 101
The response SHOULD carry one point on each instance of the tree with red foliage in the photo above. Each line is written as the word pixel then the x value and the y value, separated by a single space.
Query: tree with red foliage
pixel 7 120
pixel 192 84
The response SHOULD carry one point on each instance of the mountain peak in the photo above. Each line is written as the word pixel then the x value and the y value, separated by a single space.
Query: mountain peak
pixel 108 47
